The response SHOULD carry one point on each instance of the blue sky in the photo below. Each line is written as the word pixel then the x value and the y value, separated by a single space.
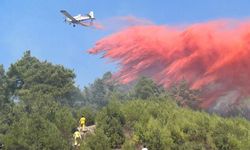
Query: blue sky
pixel 37 25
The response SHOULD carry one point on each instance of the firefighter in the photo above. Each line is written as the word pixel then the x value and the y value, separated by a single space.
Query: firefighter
pixel 77 138
pixel 82 122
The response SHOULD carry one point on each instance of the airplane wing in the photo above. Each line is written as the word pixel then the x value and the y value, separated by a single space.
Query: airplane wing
pixel 65 13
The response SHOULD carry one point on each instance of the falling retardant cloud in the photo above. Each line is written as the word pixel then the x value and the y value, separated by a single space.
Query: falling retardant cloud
pixel 120 22
pixel 212 56
pixel 98 25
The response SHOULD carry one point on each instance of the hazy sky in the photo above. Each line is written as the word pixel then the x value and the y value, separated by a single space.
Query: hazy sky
pixel 37 25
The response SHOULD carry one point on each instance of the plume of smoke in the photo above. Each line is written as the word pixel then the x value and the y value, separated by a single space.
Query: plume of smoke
pixel 212 56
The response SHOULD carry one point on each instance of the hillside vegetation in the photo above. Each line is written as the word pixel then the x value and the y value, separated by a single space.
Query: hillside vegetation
pixel 40 105
pixel 160 125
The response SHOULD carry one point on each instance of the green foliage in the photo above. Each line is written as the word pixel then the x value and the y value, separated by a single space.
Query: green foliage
pixel 98 141
pixel 163 125
pixel 146 88
pixel 39 117
pixel 3 89
pixel 111 121
pixel 33 132
pixel 185 96
pixel 99 93
pixel 30 77
pixel 231 135
pixel 157 138
pixel 129 145
pixel 39 105
pixel 88 112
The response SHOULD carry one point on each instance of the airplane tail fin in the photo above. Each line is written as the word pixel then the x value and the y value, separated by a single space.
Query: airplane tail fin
pixel 91 15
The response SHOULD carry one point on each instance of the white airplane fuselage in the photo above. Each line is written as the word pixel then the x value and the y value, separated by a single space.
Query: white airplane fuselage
pixel 84 20
pixel 79 18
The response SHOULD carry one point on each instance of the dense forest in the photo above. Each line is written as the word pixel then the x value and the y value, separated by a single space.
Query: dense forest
pixel 40 105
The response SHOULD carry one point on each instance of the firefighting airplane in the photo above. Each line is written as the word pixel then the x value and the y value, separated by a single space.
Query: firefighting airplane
pixel 84 20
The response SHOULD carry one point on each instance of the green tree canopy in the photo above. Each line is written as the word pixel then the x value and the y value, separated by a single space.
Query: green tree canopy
pixel 98 93
pixel 146 88
pixel 184 95
pixel 29 77
pixel 111 121
pixel 3 88
pixel 40 117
